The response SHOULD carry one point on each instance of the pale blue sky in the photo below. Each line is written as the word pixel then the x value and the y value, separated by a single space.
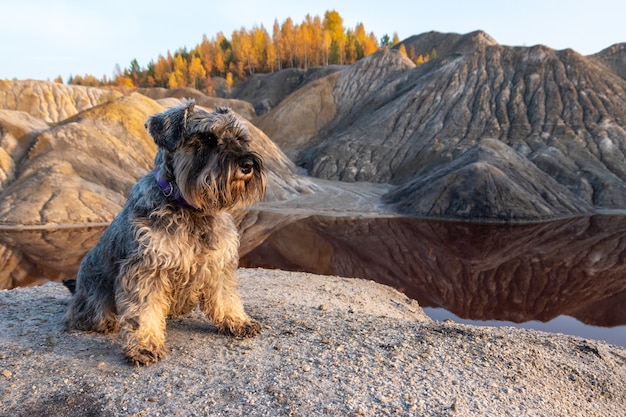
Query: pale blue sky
pixel 42 39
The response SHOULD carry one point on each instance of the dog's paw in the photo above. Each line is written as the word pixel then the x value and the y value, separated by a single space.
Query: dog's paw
pixel 142 355
pixel 242 329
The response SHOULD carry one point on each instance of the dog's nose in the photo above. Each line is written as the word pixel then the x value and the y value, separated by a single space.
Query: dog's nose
pixel 246 166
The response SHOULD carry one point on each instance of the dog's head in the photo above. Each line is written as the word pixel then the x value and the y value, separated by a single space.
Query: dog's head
pixel 207 156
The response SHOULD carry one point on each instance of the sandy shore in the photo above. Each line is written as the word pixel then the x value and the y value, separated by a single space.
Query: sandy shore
pixel 330 346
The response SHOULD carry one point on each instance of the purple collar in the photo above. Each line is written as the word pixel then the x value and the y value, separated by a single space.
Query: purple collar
pixel 169 190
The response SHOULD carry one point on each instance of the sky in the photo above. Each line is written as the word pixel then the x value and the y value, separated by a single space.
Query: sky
pixel 42 39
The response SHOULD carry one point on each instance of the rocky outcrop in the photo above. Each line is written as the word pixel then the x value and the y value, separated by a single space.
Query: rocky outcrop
pixel 329 346
pixel 51 102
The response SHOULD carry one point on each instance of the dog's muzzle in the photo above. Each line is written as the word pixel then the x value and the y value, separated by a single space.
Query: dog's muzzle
pixel 245 169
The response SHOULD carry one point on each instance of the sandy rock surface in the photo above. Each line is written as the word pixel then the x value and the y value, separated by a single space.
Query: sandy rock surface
pixel 51 102
pixel 330 346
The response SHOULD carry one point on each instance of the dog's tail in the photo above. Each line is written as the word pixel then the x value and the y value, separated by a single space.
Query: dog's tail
pixel 70 284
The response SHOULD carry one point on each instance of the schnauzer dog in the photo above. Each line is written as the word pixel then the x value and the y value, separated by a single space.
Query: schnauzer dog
pixel 174 245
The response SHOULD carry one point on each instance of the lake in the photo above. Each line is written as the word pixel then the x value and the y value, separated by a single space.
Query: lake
pixel 566 276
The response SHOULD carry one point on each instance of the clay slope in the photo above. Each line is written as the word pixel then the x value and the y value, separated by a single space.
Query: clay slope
pixel 490 181
pixel 242 107
pixel 314 111
pixel 614 57
pixel 265 91
pixel 80 170
pixel 17 133
pixel 51 102
pixel 564 112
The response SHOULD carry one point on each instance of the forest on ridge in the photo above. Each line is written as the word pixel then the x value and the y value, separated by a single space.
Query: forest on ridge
pixel 315 41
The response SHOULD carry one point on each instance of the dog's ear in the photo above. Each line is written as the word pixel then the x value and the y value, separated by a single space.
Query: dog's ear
pixel 167 128
pixel 222 109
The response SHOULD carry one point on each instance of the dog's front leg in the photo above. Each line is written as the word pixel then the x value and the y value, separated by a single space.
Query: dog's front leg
pixel 222 304
pixel 142 304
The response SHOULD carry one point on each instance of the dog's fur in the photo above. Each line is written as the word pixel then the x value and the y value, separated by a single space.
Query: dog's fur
pixel 174 247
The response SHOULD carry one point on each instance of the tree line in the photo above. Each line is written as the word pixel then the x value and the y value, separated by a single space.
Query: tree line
pixel 314 42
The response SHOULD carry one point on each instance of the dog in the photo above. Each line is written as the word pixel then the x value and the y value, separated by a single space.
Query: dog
pixel 174 245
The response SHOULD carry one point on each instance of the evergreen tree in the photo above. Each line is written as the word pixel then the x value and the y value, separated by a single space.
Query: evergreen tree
pixel 385 41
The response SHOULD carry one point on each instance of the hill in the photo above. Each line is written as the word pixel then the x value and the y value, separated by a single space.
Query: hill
pixel 244 108
pixel 80 169
pixel 394 122
pixel 446 43
pixel 414 129
pixel 265 91
pixel 490 181
pixel 50 102
pixel 614 57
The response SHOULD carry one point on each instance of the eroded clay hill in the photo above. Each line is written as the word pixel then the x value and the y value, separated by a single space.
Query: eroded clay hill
pixel 50 102
pixel 482 132
pixel 386 120
pixel 242 107
pixel 80 169
pixel 614 57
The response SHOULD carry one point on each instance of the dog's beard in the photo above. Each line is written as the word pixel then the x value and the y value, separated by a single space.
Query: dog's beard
pixel 245 189
pixel 218 186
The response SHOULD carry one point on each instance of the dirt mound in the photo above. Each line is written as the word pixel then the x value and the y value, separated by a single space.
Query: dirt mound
pixel 242 107
pixel 614 57
pixel 80 170
pixel 315 110
pixel 265 91
pixel 51 102
pixel 446 43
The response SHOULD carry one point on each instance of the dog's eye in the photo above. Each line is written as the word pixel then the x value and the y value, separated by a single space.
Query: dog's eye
pixel 208 139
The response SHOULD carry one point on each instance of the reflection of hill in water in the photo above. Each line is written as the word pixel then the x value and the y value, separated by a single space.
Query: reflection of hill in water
pixel 477 271
pixel 32 257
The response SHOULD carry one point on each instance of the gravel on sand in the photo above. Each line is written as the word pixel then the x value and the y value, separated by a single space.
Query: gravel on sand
pixel 330 346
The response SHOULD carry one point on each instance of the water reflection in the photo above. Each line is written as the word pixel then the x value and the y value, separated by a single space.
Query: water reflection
pixel 515 273
pixel 32 257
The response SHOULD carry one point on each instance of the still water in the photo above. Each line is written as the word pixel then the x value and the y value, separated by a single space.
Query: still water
pixel 567 276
